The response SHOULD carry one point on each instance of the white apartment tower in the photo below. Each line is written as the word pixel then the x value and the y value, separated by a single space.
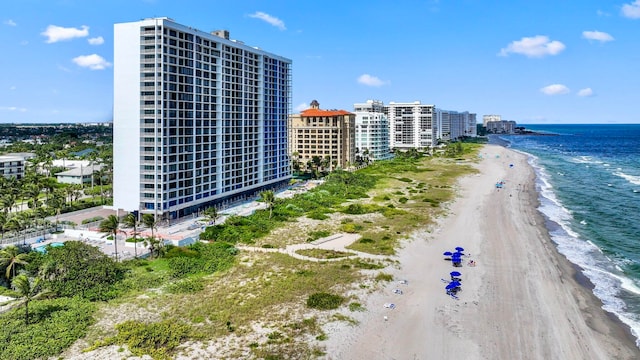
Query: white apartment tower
pixel 411 125
pixel 198 119
pixel 372 130
pixel 453 125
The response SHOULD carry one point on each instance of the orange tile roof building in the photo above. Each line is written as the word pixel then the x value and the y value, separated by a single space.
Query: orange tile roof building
pixel 327 134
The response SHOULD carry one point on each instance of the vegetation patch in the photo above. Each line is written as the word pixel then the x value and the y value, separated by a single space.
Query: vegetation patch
pixel 324 301
pixel 54 325
pixel 158 340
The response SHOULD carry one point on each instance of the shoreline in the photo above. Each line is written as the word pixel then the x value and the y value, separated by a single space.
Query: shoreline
pixel 575 270
pixel 523 300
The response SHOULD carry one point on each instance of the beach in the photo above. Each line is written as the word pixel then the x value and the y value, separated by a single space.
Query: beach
pixel 522 300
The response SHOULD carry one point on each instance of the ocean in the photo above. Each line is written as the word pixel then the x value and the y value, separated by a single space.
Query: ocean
pixel 588 181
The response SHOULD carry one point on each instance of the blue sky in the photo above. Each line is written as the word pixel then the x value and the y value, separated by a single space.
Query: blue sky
pixel 529 61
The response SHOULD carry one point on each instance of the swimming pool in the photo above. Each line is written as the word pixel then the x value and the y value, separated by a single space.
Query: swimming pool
pixel 43 248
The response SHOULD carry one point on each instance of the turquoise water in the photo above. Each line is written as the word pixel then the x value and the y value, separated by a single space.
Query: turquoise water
pixel 588 180
pixel 43 249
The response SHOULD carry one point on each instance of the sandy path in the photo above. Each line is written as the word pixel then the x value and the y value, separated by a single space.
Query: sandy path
pixel 520 302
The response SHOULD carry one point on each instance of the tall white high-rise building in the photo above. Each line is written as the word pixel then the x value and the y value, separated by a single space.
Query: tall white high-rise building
pixel 411 125
pixel 372 130
pixel 199 119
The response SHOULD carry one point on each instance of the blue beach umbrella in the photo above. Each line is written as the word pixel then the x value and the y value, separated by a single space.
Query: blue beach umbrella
pixel 455 273
pixel 459 249
pixel 452 285
pixel 447 253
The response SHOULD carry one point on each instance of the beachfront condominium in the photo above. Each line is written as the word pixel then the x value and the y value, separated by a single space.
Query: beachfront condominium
pixel 326 136
pixel 454 125
pixel 199 119
pixel 411 125
pixel 372 131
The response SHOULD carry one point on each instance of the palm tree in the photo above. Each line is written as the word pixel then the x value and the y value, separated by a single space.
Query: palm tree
pixel 27 290
pixel 212 214
pixel 269 198
pixel 132 221
pixel 11 257
pixel 149 220
pixel 111 225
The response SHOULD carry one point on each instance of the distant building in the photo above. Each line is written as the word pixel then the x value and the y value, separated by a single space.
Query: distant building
pixel 490 118
pixel 198 119
pixel 78 175
pixel 454 125
pixel 12 165
pixel 411 125
pixel 501 127
pixel 327 134
pixel 372 130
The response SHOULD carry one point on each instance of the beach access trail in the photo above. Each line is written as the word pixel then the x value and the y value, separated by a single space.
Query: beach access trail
pixel 521 300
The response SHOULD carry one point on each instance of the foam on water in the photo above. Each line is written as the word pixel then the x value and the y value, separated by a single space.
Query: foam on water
pixel 630 178
pixel 608 279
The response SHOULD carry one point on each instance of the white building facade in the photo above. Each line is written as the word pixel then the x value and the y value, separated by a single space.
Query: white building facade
pixel 372 130
pixel 411 125
pixel 454 125
pixel 198 119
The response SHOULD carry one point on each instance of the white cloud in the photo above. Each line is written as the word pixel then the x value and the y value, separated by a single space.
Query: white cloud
pixel 57 33
pixel 93 62
pixel 585 92
pixel 602 13
pixel 13 87
pixel 301 107
pixel 96 40
pixel 555 89
pixel 537 46
pixel 269 19
pixel 24 43
pixel 597 35
pixel 370 80
pixel 631 10
pixel 10 22
pixel 12 108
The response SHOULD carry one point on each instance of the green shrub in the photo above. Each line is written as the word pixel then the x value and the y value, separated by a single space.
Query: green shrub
pixel 366 241
pixel 184 266
pixel 403 200
pixel 324 301
pixel 351 228
pixel 354 306
pixel 404 179
pixel 186 286
pixel 368 265
pixel 315 235
pixel 158 340
pixel 53 326
pixel 384 277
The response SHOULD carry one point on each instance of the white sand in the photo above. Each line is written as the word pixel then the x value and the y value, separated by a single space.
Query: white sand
pixel 520 302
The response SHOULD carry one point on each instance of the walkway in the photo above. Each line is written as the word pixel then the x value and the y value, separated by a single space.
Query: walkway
pixel 337 242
